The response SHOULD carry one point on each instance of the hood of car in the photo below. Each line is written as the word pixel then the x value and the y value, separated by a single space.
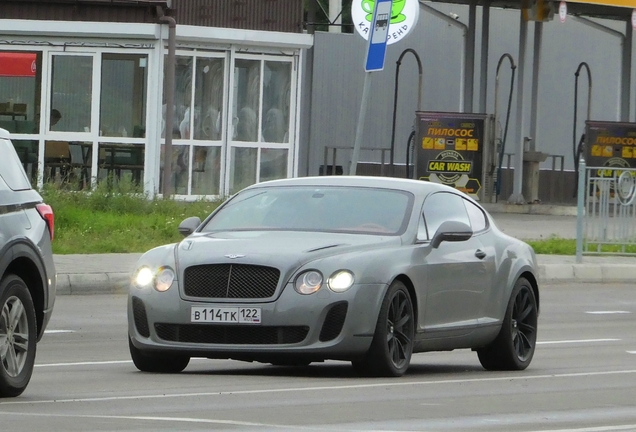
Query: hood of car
pixel 280 249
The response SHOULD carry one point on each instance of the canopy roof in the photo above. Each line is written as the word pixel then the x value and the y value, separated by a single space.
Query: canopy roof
pixel 610 9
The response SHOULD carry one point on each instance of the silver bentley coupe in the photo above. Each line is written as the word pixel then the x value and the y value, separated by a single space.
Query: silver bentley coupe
pixel 362 269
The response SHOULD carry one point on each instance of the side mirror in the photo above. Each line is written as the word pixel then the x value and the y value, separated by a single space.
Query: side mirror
pixel 188 225
pixel 452 231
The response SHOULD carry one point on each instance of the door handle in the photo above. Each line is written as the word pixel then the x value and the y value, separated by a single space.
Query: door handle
pixel 480 254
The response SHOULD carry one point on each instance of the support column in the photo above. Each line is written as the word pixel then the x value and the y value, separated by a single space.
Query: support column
pixel 626 72
pixel 517 195
pixel 335 16
pixel 483 73
pixel 470 58
pixel 534 104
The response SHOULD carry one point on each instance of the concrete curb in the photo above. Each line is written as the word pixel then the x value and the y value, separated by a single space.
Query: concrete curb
pixel 92 283
pixel 586 273
pixel 536 209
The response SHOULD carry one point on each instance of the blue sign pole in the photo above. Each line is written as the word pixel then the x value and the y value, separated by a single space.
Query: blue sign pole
pixel 376 53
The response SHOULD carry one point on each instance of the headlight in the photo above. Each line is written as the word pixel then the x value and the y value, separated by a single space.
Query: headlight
pixel 308 282
pixel 340 281
pixel 143 277
pixel 164 279
pixel 161 279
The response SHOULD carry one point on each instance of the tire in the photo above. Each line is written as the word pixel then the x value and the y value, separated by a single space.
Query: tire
pixel 392 345
pixel 18 336
pixel 157 363
pixel 514 346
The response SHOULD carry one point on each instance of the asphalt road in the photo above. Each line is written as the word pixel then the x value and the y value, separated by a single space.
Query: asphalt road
pixel 582 379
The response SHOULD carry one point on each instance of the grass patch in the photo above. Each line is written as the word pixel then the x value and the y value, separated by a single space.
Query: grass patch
pixel 560 246
pixel 553 246
pixel 116 219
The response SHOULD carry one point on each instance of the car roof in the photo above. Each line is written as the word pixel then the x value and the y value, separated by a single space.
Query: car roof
pixel 4 134
pixel 418 187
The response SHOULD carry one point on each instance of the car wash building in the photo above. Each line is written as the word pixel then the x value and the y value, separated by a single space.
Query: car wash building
pixel 83 91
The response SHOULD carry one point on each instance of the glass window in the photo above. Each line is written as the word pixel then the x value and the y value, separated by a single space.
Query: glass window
pixel 117 162
pixel 206 170
pixel 243 168
pixel 335 209
pixel 276 100
pixel 441 207
pixel 71 93
pixel 20 86
pixel 208 99
pixel 57 161
pixel 180 169
pixel 273 164
pixel 247 90
pixel 478 221
pixel 182 97
pixel 123 95
pixel 11 168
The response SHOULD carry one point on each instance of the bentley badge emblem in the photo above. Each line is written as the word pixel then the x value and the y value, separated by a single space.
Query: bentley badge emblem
pixel 234 256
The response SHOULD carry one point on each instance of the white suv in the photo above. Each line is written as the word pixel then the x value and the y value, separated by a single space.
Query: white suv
pixel 27 272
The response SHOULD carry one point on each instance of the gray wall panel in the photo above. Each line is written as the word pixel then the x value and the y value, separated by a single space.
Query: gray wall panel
pixel 339 74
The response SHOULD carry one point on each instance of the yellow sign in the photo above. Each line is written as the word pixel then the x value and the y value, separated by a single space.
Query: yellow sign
pixel 618 3
pixel 449 166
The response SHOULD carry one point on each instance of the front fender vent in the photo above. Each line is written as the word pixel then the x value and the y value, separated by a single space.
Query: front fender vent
pixel 140 317
pixel 334 321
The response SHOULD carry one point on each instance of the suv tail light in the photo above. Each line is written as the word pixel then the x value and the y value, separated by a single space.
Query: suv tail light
pixel 46 212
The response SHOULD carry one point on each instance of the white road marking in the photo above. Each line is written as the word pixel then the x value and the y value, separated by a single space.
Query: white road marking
pixel 99 363
pixel 631 352
pixel 607 312
pixel 164 419
pixel 58 331
pixel 326 388
pixel 87 363
pixel 594 429
pixel 576 341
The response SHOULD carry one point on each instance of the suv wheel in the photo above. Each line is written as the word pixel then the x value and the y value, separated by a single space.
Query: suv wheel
pixel 18 336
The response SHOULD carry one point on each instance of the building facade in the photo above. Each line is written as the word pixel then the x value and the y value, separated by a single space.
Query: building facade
pixel 83 91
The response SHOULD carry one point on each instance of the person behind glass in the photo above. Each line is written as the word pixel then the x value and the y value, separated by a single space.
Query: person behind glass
pixel 55 117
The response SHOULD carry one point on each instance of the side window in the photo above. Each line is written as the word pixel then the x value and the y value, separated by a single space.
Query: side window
pixel 478 221
pixel 442 207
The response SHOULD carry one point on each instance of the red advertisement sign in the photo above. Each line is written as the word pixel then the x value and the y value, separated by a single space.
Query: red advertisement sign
pixel 17 64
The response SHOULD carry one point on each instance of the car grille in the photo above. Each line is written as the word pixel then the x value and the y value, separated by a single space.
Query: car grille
pixel 333 322
pixel 230 281
pixel 231 334
pixel 140 318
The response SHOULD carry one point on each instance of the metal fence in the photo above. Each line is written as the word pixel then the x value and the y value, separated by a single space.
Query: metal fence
pixel 606 216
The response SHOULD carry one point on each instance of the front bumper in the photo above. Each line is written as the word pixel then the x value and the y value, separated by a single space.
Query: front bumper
pixel 324 325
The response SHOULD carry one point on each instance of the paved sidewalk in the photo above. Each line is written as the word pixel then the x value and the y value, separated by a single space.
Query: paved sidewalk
pixel 110 273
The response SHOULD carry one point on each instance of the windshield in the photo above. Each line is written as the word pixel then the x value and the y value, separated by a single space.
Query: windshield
pixel 334 209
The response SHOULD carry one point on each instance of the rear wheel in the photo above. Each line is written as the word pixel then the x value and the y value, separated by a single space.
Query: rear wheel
pixel 18 336
pixel 158 363
pixel 513 348
pixel 392 345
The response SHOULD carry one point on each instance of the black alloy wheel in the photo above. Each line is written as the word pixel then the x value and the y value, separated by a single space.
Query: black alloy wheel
pixel 515 344
pixel 392 345
pixel 524 324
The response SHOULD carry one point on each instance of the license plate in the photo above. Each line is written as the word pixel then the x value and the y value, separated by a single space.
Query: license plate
pixel 238 315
